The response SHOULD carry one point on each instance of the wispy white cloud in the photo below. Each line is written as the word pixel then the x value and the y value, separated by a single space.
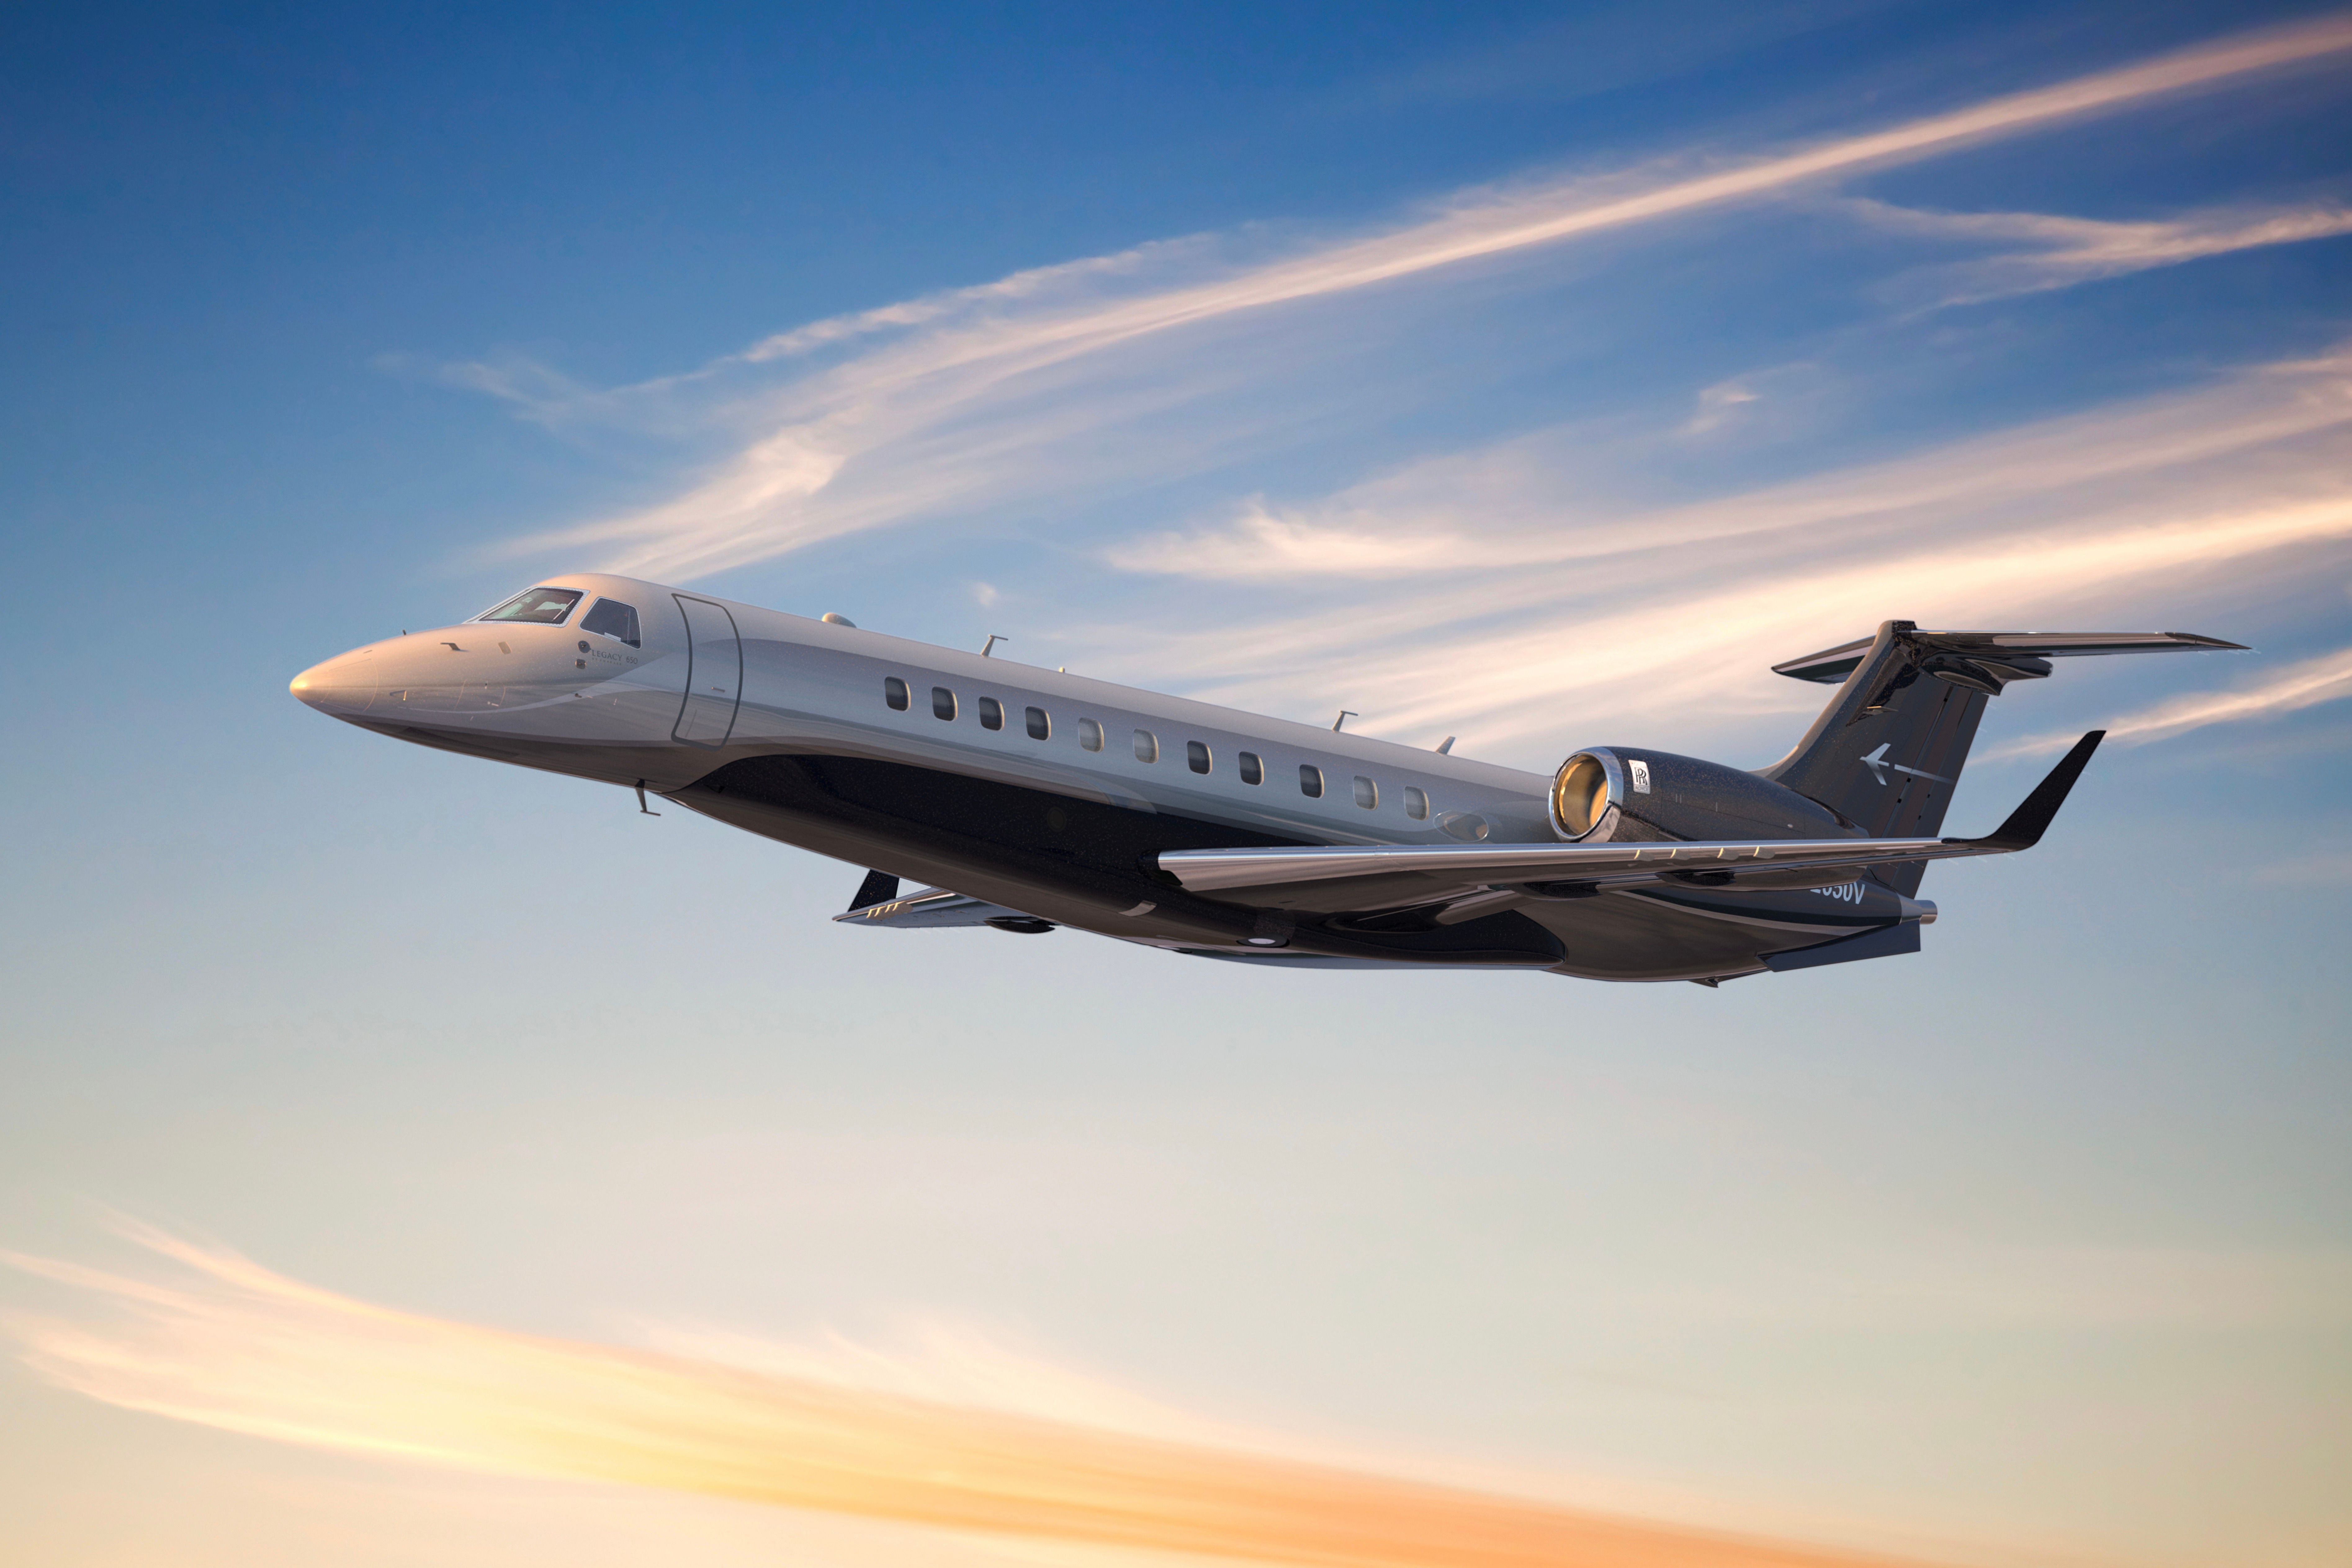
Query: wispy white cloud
pixel 943 403
pixel 1671 646
pixel 2327 679
pixel 1519 630
pixel 2066 252
pixel 1717 404
pixel 1545 499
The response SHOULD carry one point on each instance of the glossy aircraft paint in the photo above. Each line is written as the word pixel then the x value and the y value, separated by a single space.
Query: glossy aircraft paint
pixel 1043 799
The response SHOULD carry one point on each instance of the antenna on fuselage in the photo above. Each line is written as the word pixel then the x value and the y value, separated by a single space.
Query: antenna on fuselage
pixel 1345 714
pixel 1445 747
pixel 641 800
pixel 992 640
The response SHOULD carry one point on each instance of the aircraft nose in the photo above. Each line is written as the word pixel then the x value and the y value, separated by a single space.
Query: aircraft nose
pixel 341 685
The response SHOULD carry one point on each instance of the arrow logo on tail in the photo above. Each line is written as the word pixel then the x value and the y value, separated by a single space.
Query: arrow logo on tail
pixel 1877 763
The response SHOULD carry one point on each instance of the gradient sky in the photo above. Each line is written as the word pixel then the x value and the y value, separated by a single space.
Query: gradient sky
pixel 1538 374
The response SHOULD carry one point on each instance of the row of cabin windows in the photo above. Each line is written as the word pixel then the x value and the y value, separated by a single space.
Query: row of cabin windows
pixel 1197 757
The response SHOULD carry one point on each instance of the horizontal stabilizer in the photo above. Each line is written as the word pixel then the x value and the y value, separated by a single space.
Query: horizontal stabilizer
pixel 1355 879
pixel 1885 753
pixel 2014 654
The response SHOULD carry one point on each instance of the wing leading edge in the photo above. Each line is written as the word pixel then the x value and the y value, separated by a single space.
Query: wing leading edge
pixel 1349 878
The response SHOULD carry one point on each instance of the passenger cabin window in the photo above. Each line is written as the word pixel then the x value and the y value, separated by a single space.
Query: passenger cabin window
pixel 1040 727
pixel 1416 803
pixel 1252 770
pixel 991 713
pixel 542 606
pixel 1147 746
pixel 894 692
pixel 1310 781
pixel 942 702
pixel 1090 735
pixel 612 618
pixel 1368 793
pixel 1196 756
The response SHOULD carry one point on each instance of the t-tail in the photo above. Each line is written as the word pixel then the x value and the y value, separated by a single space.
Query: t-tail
pixel 1887 753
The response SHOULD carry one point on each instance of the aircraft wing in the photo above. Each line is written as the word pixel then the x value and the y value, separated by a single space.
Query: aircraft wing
pixel 1347 877
pixel 930 909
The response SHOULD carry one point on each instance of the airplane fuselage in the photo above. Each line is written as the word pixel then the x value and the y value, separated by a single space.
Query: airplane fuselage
pixel 1048 793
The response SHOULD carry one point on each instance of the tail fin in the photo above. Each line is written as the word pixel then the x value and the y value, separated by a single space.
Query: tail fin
pixel 1886 753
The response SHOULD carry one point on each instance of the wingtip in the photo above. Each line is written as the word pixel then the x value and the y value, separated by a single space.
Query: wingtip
pixel 2031 819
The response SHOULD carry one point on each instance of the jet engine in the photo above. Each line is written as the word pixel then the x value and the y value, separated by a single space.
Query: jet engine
pixel 1614 794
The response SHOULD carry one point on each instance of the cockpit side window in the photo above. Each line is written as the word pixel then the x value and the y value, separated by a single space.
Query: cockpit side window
pixel 544 606
pixel 613 619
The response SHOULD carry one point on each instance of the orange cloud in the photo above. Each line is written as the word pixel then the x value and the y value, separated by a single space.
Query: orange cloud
pixel 232 1344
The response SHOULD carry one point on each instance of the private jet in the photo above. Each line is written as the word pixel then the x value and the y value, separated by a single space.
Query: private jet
pixel 1028 800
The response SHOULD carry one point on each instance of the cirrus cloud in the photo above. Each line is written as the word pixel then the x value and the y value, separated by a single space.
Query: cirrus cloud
pixel 936 406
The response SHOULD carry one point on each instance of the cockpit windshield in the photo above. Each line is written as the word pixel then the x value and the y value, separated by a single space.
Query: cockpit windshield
pixel 546 606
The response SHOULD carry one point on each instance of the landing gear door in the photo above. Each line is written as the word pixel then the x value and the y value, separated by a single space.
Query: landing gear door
pixel 714 674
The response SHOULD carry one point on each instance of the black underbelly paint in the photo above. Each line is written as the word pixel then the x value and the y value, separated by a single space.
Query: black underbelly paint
pixel 1103 854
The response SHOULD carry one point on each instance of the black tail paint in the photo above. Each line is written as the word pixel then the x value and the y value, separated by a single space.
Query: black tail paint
pixel 1887 753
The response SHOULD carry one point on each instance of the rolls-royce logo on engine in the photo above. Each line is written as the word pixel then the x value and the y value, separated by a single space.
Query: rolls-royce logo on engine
pixel 1641 771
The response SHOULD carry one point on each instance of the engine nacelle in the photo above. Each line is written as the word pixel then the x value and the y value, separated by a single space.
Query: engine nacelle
pixel 1610 794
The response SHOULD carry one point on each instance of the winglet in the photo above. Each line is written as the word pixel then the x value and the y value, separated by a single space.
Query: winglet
pixel 2031 818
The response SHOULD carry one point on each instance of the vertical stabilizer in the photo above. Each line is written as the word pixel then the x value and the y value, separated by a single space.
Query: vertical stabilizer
pixel 1886 753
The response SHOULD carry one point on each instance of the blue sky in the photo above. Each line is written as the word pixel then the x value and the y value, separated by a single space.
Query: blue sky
pixel 1539 375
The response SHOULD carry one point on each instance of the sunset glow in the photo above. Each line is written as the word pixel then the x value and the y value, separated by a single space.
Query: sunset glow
pixel 229 1343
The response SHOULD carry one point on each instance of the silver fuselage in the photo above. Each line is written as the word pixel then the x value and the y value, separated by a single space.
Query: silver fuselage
pixel 784 725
